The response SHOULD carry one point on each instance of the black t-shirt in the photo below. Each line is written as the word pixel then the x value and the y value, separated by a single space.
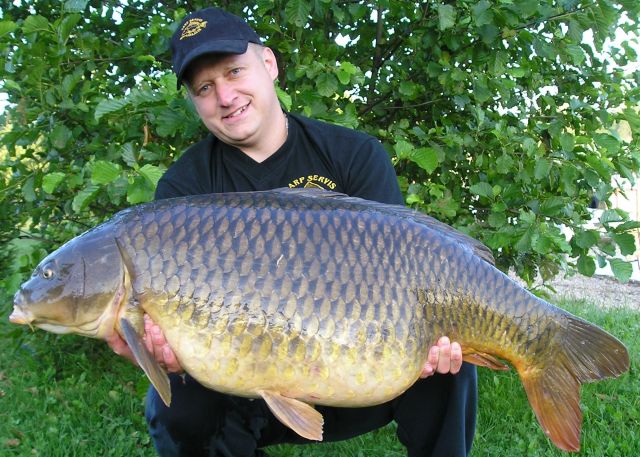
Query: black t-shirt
pixel 315 154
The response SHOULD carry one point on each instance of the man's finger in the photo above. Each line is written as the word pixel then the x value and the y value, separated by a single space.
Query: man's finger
pixel 444 359
pixel 456 358
pixel 170 360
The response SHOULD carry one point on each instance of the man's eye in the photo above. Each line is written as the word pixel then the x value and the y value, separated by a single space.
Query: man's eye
pixel 204 89
pixel 235 71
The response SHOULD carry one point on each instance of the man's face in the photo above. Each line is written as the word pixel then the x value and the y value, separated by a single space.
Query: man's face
pixel 234 95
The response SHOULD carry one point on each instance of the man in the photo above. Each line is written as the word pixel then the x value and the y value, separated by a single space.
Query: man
pixel 254 145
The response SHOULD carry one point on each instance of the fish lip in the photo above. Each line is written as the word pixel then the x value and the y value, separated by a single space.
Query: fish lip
pixel 19 317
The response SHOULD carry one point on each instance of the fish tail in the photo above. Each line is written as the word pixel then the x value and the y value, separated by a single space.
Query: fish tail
pixel 583 353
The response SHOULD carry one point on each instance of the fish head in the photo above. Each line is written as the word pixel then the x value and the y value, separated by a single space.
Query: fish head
pixel 76 289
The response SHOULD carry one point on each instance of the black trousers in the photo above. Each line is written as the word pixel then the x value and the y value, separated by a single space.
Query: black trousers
pixel 435 417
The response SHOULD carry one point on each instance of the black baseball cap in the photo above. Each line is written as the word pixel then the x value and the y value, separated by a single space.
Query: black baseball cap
pixel 209 31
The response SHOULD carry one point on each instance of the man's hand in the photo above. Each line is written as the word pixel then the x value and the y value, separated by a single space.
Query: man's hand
pixel 156 344
pixel 445 357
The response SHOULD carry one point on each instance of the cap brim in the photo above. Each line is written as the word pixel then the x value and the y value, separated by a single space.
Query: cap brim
pixel 212 47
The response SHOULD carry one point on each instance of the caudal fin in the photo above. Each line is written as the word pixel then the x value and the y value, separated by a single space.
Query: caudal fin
pixel 584 353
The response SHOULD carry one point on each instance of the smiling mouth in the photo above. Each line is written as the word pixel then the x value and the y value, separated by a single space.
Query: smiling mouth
pixel 238 112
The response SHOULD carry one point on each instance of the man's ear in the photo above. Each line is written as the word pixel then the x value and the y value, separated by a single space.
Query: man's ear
pixel 270 62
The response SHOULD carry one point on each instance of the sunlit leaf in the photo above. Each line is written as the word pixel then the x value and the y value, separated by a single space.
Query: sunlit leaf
pixel 104 172
pixel 51 180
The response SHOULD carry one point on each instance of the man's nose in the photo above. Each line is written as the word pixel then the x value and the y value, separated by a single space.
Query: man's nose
pixel 225 93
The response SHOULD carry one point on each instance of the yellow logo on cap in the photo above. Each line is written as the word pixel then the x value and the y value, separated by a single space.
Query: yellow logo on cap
pixel 192 27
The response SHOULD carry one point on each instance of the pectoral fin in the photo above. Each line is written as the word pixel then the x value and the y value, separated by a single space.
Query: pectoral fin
pixel 295 414
pixel 149 365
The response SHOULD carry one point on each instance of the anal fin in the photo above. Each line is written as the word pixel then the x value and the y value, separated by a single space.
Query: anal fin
pixel 482 359
pixel 149 365
pixel 295 414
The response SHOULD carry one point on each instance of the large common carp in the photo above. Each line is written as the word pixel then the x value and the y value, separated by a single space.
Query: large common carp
pixel 306 297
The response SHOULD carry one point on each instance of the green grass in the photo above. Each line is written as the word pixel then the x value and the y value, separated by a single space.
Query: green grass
pixel 70 396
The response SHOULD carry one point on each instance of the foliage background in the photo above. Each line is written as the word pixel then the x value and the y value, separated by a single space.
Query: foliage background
pixel 500 118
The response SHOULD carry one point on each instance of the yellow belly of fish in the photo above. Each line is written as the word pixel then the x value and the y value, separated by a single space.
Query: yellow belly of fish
pixel 243 361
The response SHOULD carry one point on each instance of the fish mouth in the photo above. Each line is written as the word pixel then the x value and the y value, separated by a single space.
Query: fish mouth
pixel 19 317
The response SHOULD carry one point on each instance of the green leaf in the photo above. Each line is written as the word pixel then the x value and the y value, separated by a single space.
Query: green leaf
pixel 517 72
pixel 75 6
pixel 483 189
pixel 348 68
pixel 67 25
pixel 499 62
pixel 587 238
pixel 425 158
pixel 610 215
pixel 633 118
pixel 84 197
pixel 446 16
pixel 629 225
pixel 35 23
pixel 586 265
pixel 504 164
pixel 152 173
pixel 409 89
pixel 497 220
pixel 606 141
pixel 524 242
pixel 51 180
pixel 621 270
pixel 60 136
pixel 530 146
pixel 327 85
pixel 482 13
pixel 542 244
pixel 576 53
pixel 480 90
pixel 7 27
pixel 552 205
pixel 104 172
pixel 343 76
pixel 139 191
pixel 10 84
pixel 626 242
pixel 542 168
pixel 403 149
pixel 27 190
pixel 169 122
pixel 108 106
pixel 569 176
pixel 128 154
pixel 567 142
pixel 284 98
pixel 297 12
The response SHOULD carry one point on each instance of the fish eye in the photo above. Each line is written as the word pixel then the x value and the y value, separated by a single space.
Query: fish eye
pixel 47 273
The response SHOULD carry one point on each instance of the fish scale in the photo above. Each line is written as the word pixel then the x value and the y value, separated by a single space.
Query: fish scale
pixel 308 297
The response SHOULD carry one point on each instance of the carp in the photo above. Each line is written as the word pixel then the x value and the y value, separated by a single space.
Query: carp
pixel 305 297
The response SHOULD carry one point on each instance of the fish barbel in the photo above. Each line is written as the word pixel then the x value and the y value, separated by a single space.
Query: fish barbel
pixel 306 297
